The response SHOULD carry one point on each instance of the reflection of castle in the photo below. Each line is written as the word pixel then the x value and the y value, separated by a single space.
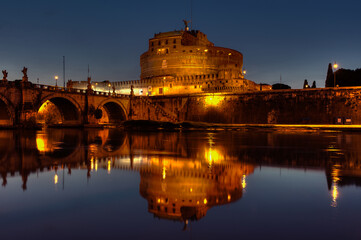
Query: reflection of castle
pixel 183 62
pixel 185 190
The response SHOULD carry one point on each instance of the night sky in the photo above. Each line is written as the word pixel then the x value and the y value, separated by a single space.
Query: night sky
pixel 289 38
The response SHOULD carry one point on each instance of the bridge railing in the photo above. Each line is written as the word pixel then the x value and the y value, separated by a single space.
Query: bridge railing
pixel 81 91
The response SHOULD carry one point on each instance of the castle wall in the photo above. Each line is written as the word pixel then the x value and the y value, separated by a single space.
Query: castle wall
pixel 311 106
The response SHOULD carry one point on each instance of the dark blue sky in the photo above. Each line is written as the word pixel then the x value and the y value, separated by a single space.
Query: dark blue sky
pixel 293 38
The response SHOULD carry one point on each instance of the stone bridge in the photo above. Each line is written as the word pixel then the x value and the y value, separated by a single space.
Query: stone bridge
pixel 22 103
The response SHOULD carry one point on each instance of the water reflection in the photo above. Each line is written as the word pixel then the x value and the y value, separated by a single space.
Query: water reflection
pixel 182 175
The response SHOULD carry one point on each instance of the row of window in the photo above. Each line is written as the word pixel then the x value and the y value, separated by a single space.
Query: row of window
pixel 166 42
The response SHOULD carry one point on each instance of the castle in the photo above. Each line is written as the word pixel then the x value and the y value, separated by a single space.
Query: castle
pixel 182 62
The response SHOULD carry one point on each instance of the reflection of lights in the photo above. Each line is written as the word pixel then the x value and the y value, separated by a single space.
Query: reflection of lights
pixel 213 100
pixel 163 172
pixel 205 201
pixel 96 164
pixel 244 184
pixel 109 166
pixel 56 178
pixel 92 163
pixel 40 143
pixel 334 195
pixel 229 197
pixel 213 156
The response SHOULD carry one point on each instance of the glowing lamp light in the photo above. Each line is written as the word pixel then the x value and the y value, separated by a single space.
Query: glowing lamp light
pixel 229 197
pixel 335 65
pixel 213 100
pixel 244 72
pixel 205 201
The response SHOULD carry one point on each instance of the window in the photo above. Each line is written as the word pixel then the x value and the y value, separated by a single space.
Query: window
pixel 166 41
pixel 159 43
pixel 174 46
pixel 174 41
pixel 152 44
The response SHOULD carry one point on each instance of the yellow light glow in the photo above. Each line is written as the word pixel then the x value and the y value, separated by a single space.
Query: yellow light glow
pixel 205 201
pixel 56 178
pixel 109 166
pixel 163 172
pixel 334 195
pixel 92 163
pixel 213 156
pixel 335 65
pixel 205 50
pixel 40 144
pixel 244 184
pixel 213 100
pixel 244 72
pixel 96 164
pixel 158 200
pixel 229 197
pixel 229 54
pixel 190 190
pixel 56 77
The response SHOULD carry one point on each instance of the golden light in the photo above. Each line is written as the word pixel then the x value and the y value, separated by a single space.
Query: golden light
pixel 56 77
pixel 56 178
pixel 244 72
pixel 213 156
pixel 335 65
pixel 229 197
pixel 205 50
pixel 229 54
pixel 244 184
pixel 109 166
pixel 190 190
pixel 205 201
pixel 92 163
pixel 40 144
pixel 96 164
pixel 163 172
pixel 158 200
pixel 334 195
pixel 213 100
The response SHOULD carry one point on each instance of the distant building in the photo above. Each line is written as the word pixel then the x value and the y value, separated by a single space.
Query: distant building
pixel 184 62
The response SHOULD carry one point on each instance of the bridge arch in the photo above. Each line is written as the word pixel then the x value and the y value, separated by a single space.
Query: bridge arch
pixel 114 110
pixel 7 113
pixel 64 109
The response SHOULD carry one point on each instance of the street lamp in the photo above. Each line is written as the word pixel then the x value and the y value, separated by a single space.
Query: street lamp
pixel 56 81
pixel 335 66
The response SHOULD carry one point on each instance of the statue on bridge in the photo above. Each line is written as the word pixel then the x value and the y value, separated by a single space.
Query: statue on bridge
pixel 5 73
pixel 25 72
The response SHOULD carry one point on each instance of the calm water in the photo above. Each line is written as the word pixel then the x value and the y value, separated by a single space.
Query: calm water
pixel 93 184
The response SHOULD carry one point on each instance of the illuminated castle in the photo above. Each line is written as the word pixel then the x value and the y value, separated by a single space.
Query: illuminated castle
pixel 183 62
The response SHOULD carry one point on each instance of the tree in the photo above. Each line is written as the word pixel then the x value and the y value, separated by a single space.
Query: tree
pixel 280 86
pixel 329 78
pixel 305 84
pixel 314 84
